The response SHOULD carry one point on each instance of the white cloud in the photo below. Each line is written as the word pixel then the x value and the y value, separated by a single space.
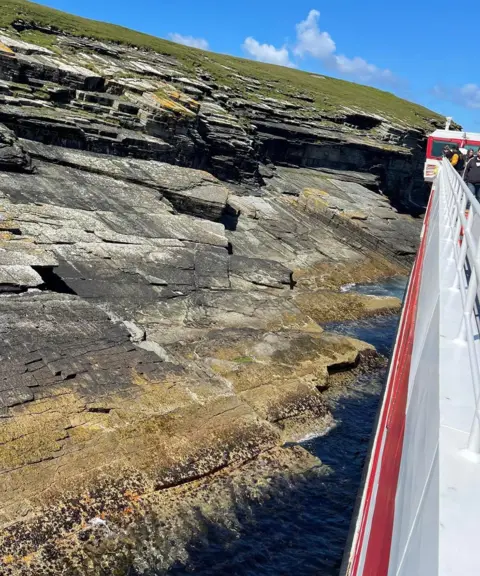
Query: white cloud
pixel 189 41
pixel 311 41
pixel 467 95
pixel 267 52
pixel 361 69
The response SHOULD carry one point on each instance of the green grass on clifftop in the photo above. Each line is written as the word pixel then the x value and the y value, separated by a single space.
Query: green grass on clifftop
pixel 329 94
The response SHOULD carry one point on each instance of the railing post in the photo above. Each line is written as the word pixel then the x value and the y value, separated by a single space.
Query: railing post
pixel 462 246
pixel 472 452
pixel 474 440
pixel 468 306
pixel 463 250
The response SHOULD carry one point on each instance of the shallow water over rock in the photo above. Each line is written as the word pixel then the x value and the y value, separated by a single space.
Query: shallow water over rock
pixel 303 526
pixel 390 287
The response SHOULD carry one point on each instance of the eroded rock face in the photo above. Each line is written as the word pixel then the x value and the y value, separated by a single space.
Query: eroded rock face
pixel 160 326
pixel 121 101
pixel 12 156
pixel 146 346
pixel 189 191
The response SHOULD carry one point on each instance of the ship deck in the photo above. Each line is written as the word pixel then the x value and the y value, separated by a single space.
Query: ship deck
pixel 459 472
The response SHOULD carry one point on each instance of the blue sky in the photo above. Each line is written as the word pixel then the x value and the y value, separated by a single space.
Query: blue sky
pixel 421 50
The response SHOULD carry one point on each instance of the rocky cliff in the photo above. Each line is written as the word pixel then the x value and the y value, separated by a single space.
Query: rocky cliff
pixel 147 98
pixel 172 238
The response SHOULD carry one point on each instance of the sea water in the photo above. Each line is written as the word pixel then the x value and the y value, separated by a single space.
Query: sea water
pixel 303 530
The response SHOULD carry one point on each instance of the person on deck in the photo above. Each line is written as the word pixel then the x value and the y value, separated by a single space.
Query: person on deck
pixel 457 160
pixel 470 155
pixel 472 175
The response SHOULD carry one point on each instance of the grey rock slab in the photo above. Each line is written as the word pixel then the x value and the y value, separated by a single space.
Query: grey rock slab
pixel 212 269
pixel 192 191
pixel 51 216
pixel 181 258
pixel 47 67
pixel 167 275
pixel 201 86
pixel 379 224
pixel 253 207
pixel 24 47
pixel 114 237
pixel 238 308
pixel 9 398
pixel 22 254
pixel 384 213
pixel 20 275
pixel 206 201
pixel 61 233
pixel 137 334
pixel 280 103
pixel 50 339
pixel 178 227
pixel 262 272
pixel 266 171
pixel 68 188
pixel 154 347
pixel 21 101
pixel 208 194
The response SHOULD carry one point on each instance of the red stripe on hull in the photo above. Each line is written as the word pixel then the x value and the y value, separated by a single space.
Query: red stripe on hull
pixel 390 434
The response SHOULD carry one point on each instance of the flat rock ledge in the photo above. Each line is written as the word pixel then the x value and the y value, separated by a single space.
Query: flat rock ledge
pixel 96 426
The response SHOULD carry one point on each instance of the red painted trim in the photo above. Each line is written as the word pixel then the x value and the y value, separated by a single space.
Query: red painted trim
pixel 390 433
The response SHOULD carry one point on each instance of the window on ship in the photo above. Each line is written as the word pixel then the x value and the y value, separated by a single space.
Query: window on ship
pixel 438 146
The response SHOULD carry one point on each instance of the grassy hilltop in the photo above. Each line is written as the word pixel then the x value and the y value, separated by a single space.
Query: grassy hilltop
pixel 327 93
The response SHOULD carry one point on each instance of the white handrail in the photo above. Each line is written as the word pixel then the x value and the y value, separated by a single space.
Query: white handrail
pixel 463 250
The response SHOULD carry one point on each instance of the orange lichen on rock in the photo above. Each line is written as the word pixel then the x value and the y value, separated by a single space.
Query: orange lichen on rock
pixel 169 104
pixel 132 496
pixel 6 49
pixel 182 98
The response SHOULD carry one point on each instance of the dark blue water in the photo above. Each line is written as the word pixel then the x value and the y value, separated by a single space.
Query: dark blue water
pixel 302 528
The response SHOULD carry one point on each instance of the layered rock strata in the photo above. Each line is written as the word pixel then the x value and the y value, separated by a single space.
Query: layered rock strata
pixel 161 327
pixel 138 336
pixel 118 100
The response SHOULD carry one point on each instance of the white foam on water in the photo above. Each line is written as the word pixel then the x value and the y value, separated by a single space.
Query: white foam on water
pixel 314 435
pixel 347 287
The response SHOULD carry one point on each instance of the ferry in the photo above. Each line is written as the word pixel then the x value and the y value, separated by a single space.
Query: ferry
pixel 437 141
pixel 418 511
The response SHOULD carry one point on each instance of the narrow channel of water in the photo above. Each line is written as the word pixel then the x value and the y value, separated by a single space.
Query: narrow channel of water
pixel 303 529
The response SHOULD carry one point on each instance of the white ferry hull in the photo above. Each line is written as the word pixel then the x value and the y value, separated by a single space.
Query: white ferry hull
pixel 419 511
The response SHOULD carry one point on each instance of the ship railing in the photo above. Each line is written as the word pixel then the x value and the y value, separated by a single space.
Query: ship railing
pixel 461 222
